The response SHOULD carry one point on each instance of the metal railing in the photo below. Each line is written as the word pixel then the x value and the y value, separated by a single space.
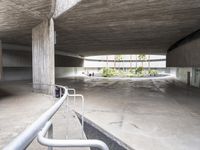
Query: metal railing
pixel 66 143
pixel 74 95
pixel 43 124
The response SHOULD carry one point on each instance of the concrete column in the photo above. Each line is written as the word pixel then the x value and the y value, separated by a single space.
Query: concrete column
pixel 1 61
pixel 43 57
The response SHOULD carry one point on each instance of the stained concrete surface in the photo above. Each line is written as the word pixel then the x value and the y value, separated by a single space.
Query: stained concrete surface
pixel 146 114
pixel 19 107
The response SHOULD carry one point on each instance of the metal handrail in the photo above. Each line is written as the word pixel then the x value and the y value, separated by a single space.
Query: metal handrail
pixel 67 143
pixel 29 134
pixel 74 92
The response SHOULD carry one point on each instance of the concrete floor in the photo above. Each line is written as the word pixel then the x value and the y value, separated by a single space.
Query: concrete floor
pixel 146 114
pixel 19 107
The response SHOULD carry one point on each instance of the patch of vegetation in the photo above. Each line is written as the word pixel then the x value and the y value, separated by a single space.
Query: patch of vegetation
pixel 108 72
pixel 152 72
pixel 133 72
pixel 139 70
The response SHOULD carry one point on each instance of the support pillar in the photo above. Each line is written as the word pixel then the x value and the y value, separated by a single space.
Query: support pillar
pixel 1 61
pixel 43 57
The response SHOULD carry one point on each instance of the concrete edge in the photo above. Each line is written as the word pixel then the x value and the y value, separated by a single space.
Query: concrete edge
pixel 106 133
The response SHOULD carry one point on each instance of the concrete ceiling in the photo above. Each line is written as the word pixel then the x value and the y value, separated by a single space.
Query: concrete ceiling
pixel 96 27
pixel 18 17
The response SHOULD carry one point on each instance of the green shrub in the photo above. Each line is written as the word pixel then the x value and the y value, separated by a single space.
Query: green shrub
pixel 134 72
pixel 109 72
pixel 153 72
pixel 139 70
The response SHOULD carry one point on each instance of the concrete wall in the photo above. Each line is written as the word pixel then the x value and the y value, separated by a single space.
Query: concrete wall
pixel 66 61
pixel 62 72
pixel 15 58
pixel 16 65
pixel 184 57
pixel 181 73
pixel 186 53
pixel 17 73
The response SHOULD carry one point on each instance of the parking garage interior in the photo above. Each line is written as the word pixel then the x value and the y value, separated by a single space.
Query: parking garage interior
pixel 42 41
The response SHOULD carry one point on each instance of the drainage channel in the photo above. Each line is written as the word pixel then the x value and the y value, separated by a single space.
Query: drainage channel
pixel 93 131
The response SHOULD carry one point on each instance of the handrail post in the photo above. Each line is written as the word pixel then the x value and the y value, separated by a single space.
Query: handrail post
pixel 60 92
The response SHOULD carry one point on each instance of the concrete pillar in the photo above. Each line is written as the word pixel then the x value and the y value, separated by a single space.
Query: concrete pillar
pixel 1 61
pixel 43 57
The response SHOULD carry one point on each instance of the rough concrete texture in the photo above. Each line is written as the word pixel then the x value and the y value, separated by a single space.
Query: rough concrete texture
pixel 63 5
pixel 17 18
pixel 187 53
pixel 94 27
pixel 43 56
pixel 19 107
pixel 148 114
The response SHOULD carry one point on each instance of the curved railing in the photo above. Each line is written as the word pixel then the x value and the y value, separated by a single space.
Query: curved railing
pixel 40 126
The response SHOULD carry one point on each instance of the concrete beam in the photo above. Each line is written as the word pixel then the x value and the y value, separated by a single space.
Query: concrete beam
pixel 14 47
pixel 43 57
pixel 1 61
pixel 63 6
